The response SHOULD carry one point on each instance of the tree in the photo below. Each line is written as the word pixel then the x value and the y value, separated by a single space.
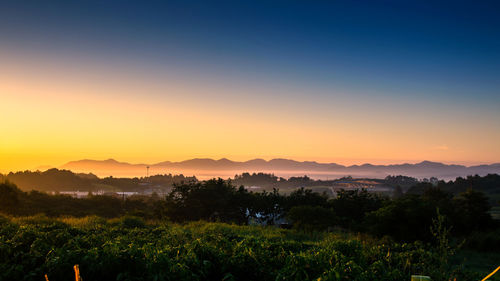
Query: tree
pixel 212 200
pixel 267 207
pixel 473 207
pixel 405 219
pixel 398 192
pixel 351 206
pixel 9 197
pixel 311 218
pixel 304 197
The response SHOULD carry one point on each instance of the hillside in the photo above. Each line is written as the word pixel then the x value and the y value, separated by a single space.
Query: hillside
pixel 208 168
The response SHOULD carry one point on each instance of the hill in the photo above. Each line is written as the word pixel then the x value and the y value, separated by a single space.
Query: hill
pixel 208 168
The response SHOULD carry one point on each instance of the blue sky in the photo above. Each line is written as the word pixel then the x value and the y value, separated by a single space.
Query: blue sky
pixel 440 56
pixel 445 49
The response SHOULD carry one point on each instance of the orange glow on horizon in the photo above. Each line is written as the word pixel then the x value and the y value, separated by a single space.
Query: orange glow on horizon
pixel 52 114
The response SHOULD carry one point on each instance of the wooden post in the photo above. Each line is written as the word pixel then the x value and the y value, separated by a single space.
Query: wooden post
pixel 491 274
pixel 77 273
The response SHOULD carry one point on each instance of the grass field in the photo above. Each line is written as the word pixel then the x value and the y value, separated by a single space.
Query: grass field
pixel 131 249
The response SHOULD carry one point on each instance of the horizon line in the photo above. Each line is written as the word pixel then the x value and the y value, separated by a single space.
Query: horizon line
pixel 402 162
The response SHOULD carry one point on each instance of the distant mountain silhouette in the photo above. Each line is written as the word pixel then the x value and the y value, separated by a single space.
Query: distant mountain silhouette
pixel 281 167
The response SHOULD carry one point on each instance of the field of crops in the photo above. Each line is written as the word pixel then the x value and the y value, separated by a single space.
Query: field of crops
pixel 130 249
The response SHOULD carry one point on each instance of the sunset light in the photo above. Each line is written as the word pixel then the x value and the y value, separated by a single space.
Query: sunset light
pixel 249 140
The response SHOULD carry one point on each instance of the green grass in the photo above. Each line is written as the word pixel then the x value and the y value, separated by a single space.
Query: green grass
pixel 132 249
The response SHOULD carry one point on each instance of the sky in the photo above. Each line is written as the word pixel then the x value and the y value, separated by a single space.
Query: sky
pixel 329 81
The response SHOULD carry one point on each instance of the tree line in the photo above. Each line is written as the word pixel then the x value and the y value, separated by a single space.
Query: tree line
pixel 404 218
pixel 64 180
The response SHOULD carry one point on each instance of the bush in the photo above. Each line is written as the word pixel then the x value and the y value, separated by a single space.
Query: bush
pixel 131 222
pixel 311 218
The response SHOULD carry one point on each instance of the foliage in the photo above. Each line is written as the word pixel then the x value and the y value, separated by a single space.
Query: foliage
pixel 409 217
pixel 129 222
pixel 15 202
pixel 304 197
pixel 312 218
pixel 351 206
pixel 51 180
pixel 212 200
pixel 9 197
pixel 441 234
pixel 489 185
pixel 473 210
pixel 403 182
pixel 138 245
pixel 32 247
pixel 406 218
pixel 64 180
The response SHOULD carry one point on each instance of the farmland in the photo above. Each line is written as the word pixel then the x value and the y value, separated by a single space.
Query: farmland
pixel 130 248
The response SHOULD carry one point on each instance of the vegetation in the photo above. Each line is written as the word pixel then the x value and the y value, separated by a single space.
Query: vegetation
pixel 154 238
pixel 16 202
pixel 64 180
pixel 132 249
pixel 54 180
pixel 406 218
pixel 489 185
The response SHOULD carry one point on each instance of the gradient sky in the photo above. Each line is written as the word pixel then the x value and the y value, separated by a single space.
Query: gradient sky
pixel 346 82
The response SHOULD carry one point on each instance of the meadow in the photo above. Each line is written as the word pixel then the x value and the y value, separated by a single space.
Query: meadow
pixel 130 248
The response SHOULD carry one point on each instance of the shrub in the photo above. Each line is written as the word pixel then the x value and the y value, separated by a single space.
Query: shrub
pixel 311 218
pixel 132 222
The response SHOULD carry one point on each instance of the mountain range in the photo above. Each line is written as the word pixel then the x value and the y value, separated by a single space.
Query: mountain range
pixel 207 168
